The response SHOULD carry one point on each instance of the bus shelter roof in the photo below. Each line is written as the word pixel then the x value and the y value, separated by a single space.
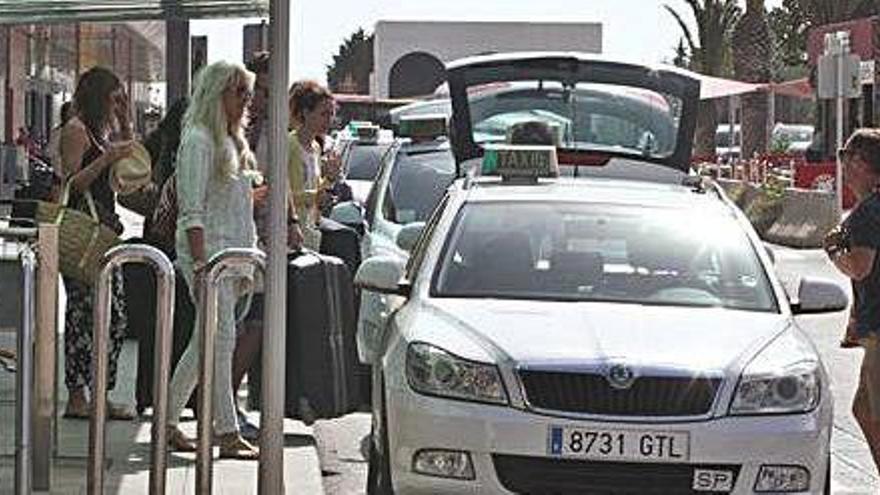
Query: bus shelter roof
pixel 54 11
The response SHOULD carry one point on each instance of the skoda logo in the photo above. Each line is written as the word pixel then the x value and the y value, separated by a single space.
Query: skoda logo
pixel 620 376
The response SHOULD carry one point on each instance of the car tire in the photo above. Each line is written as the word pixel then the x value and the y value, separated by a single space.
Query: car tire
pixel 827 490
pixel 379 470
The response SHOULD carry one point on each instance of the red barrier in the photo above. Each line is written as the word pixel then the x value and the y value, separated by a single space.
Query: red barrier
pixel 806 175
pixel 820 175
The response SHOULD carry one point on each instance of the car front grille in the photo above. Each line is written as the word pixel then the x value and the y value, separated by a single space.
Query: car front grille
pixel 590 393
pixel 548 476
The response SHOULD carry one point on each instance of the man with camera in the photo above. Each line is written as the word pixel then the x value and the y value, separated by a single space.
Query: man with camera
pixel 852 247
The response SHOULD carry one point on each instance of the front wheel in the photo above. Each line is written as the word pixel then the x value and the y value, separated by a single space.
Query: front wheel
pixel 827 490
pixel 379 471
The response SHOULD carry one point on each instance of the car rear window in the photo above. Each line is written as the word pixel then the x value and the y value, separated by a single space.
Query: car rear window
pixel 363 161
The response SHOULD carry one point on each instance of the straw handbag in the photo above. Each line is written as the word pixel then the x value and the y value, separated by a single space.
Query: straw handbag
pixel 82 238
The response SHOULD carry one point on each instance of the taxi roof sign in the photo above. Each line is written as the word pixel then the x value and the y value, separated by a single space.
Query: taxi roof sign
pixel 354 124
pixel 367 133
pixel 520 161
pixel 425 126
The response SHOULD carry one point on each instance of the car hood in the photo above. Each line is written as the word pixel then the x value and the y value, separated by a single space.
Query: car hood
pixel 565 334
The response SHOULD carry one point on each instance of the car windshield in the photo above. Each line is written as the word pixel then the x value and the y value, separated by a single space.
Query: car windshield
pixel 794 133
pixel 600 252
pixel 363 160
pixel 418 181
pixel 593 116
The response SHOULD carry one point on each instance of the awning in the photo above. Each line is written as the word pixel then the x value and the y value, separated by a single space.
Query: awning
pixel 51 11
pixel 717 87
pixel 796 88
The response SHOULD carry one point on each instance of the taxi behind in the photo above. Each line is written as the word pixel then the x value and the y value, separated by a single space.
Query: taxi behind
pixel 414 175
pixel 362 147
pixel 621 332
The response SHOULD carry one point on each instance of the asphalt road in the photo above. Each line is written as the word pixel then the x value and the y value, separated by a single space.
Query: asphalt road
pixel 342 442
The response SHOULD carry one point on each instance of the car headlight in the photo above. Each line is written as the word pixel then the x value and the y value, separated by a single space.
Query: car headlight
pixel 784 378
pixel 434 371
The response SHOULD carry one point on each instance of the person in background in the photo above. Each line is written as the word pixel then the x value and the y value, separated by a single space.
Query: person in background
pixel 311 113
pixel 100 105
pixel 162 145
pixel 65 114
pixel 215 169
pixel 852 247
pixel 249 336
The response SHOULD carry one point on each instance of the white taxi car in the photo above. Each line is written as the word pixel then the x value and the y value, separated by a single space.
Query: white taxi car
pixel 362 146
pixel 415 172
pixel 621 333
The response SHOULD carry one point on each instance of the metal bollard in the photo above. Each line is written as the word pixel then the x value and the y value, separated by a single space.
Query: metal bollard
pixel 114 259
pixel 45 356
pixel 24 377
pixel 214 270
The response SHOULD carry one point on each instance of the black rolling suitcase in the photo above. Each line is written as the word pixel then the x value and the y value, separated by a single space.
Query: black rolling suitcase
pixel 341 241
pixel 322 362
pixel 141 293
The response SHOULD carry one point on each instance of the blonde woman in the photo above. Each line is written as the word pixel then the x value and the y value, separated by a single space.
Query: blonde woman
pixel 215 211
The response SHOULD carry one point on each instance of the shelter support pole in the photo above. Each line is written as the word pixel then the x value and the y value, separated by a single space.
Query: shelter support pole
pixel 271 470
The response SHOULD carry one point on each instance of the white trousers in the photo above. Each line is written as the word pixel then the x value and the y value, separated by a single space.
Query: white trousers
pixel 186 375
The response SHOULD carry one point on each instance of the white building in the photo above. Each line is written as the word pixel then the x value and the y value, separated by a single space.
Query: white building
pixel 409 55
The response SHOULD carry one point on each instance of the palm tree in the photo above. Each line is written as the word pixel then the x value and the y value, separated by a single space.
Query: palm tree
pixel 752 45
pixel 819 12
pixel 351 67
pixel 715 20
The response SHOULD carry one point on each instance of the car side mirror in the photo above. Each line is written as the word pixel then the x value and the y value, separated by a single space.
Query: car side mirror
pixel 347 213
pixel 817 295
pixel 409 235
pixel 382 274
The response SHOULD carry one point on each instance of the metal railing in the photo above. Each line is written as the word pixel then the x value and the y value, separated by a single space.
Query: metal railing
pixel 35 355
pixel 113 260
pixel 214 270
pixel 24 372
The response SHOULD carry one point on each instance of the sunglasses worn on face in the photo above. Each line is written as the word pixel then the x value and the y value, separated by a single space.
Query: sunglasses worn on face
pixel 242 92
pixel 844 154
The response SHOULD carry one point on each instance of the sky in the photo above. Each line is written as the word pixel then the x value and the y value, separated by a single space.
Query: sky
pixel 637 30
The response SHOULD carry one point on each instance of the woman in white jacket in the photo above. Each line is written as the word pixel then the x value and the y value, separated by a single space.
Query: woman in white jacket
pixel 215 211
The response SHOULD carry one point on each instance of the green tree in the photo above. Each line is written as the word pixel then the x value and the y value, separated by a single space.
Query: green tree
pixel 352 65
pixel 682 56
pixel 819 12
pixel 710 55
pixel 752 45
pixel 791 22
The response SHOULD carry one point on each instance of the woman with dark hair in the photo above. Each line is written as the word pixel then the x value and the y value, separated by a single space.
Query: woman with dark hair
pixel 100 106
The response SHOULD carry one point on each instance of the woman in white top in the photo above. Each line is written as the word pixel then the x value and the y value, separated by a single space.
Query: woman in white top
pixel 215 211
pixel 312 109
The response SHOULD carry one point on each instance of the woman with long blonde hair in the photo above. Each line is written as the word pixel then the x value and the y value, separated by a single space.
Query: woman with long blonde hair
pixel 215 211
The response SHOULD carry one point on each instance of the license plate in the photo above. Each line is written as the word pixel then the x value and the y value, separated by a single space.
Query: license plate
pixel 625 445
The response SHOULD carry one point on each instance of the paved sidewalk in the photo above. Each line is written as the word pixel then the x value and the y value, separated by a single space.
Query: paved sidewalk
pixel 128 449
